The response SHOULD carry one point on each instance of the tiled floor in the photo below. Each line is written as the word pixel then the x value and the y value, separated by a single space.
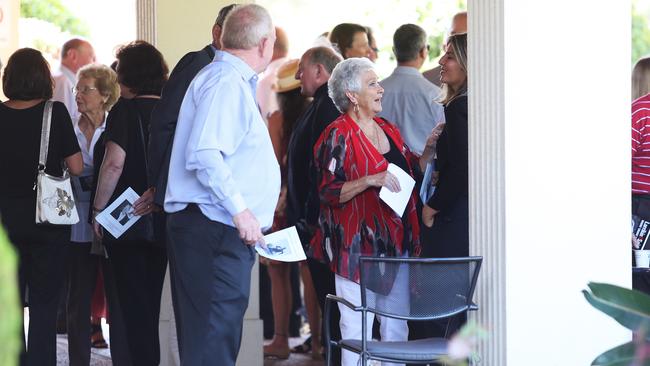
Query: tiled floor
pixel 295 359
pixel 102 357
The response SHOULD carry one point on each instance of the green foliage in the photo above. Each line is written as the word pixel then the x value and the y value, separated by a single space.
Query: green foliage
pixel 435 45
pixel 628 307
pixel 631 309
pixel 622 355
pixel 56 13
pixel 10 309
pixel 640 35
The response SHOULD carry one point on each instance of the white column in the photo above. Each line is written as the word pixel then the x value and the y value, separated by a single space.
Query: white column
pixel 549 174
pixel 146 23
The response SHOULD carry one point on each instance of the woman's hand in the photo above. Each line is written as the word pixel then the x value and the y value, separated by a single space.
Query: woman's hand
pixel 384 179
pixel 97 228
pixel 428 215
pixel 432 140
pixel 144 205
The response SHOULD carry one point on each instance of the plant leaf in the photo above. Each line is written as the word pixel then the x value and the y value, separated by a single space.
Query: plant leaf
pixel 622 355
pixel 630 308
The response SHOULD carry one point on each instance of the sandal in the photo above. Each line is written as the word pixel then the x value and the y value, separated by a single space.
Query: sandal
pixel 276 353
pixel 97 339
pixel 303 348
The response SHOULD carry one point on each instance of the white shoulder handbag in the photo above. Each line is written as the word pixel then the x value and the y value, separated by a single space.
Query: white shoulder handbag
pixel 54 200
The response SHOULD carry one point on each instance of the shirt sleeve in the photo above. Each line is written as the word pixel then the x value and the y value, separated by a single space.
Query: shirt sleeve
pixel 329 158
pixel 117 124
pixel 639 119
pixel 63 93
pixel 453 180
pixel 221 121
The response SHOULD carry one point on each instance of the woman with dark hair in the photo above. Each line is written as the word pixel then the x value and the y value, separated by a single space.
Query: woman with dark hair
pixel 351 40
pixel 42 249
pixel 292 103
pixel 137 259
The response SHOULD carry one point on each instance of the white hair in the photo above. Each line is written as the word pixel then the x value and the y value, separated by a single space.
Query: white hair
pixel 245 27
pixel 347 77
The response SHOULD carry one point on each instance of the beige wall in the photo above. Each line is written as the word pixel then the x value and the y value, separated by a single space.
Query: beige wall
pixel 8 30
pixel 185 28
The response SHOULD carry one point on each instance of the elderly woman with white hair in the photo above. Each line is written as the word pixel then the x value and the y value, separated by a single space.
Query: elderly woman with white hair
pixel 352 157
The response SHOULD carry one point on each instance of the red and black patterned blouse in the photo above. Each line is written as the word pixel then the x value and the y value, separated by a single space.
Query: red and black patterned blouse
pixel 364 225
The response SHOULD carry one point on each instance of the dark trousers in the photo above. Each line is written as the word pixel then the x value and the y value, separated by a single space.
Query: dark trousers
pixel 42 252
pixel 82 274
pixel 212 281
pixel 324 284
pixel 82 270
pixel 137 273
pixel 171 256
pixel 448 237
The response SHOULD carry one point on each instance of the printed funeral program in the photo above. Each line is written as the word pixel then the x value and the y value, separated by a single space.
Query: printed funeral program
pixel 398 200
pixel 119 216
pixel 283 246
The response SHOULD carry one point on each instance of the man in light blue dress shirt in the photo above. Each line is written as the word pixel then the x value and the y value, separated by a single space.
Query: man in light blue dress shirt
pixel 409 100
pixel 223 186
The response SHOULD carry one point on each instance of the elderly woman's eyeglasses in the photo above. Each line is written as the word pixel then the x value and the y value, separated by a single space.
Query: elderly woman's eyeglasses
pixel 83 90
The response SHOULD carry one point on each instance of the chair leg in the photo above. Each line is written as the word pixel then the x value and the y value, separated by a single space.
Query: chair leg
pixel 328 341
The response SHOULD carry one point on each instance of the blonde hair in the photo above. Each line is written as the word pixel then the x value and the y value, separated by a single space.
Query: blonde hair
pixel 641 78
pixel 105 82
pixel 458 43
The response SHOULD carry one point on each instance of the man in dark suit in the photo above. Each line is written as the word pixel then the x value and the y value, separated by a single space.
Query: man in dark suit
pixel 165 115
pixel 162 127
pixel 314 71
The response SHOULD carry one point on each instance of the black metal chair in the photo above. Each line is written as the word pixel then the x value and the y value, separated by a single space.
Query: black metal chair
pixel 439 288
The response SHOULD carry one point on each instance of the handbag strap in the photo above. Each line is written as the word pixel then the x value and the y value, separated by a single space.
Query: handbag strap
pixel 45 135
pixel 144 145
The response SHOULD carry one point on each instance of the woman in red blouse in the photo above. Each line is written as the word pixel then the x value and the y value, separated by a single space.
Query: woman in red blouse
pixel 352 157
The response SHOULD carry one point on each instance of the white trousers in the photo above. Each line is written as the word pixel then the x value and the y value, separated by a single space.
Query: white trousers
pixel 390 329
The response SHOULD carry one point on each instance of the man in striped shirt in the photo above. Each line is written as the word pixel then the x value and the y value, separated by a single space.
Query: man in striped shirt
pixel 641 145
pixel 640 177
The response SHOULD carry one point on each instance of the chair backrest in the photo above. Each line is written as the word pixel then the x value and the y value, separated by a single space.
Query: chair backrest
pixel 418 288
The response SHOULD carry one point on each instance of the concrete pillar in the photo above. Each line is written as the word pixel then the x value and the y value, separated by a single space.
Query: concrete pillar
pixel 549 174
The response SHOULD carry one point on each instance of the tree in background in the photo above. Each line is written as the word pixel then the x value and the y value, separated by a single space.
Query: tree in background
pixel 10 307
pixel 640 32
pixel 54 12
pixel 46 24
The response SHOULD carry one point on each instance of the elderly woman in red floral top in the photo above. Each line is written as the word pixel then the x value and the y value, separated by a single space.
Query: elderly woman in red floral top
pixel 352 157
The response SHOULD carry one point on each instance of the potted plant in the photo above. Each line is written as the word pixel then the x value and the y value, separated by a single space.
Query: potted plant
pixel 631 308
pixel 10 306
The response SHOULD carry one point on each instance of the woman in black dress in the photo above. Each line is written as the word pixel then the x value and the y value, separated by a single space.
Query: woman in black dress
pixel 137 259
pixel 42 249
